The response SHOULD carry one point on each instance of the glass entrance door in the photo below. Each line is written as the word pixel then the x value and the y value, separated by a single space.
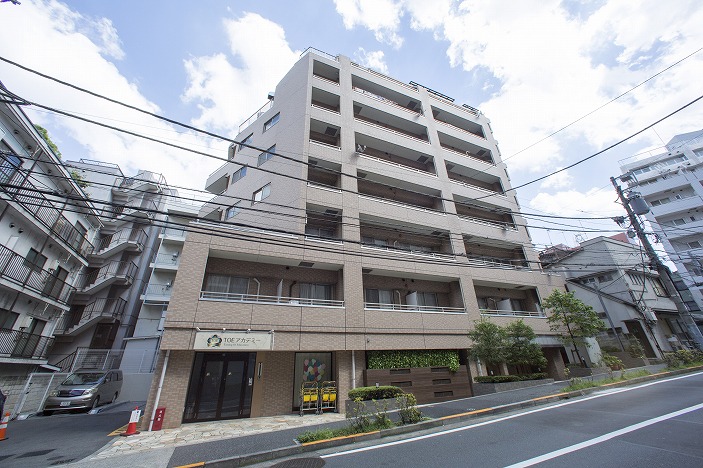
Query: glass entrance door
pixel 220 386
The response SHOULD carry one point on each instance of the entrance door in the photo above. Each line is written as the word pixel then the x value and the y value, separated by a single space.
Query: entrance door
pixel 220 386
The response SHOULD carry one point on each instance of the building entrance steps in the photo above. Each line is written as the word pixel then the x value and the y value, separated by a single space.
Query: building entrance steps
pixel 208 441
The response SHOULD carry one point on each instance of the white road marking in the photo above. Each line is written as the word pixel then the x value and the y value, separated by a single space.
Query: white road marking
pixel 505 418
pixel 603 438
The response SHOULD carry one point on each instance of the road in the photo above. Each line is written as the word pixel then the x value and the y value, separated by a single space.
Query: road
pixel 42 441
pixel 656 424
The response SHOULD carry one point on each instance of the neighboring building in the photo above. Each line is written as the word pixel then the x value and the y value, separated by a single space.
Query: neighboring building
pixel 45 231
pixel 613 276
pixel 672 185
pixel 389 231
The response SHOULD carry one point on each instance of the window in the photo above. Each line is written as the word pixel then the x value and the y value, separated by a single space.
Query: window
pixel 379 296
pixel 427 299
pixel 316 231
pixel 232 211
pixel 658 287
pixel 7 319
pixel 517 304
pixel 261 194
pixel 636 279
pixel 246 141
pixel 604 278
pixel 589 282
pixel 239 174
pixel 226 284
pixel 366 240
pixel 694 245
pixel 316 291
pixel 266 155
pixel 272 121
pixel 34 260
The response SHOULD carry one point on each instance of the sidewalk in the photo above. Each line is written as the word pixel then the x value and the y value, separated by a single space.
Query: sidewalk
pixel 201 442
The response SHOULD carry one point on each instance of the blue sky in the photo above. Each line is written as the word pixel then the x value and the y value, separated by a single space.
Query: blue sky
pixel 532 67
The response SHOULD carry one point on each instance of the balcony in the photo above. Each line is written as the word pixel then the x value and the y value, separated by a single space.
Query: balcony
pixel 323 224
pixel 132 240
pixel 490 253
pixel 325 73
pixel 270 300
pixel 84 317
pixel 324 134
pixel 113 273
pixel 390 123
pixel 405 239
pixel 386 293
pixel 386 95
pixel 458 123
pixel 157 293
pixel 394 155
pixel 482 213
pixel 143 181
pixel 16 185
pixel 218 181
pixel 134 210
pixel 374 73
pixel 17 344
pixel 324 100
pixel 19 271
pixel 389 190
pixel 166 261
pixel 466 149
pixel 507 300
pixel 677 206
pixel 476 180
pixel 173 234
pixel 682 230
pixel 324 174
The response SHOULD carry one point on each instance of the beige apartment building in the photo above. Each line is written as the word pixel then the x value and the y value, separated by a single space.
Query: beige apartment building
pixel 360 214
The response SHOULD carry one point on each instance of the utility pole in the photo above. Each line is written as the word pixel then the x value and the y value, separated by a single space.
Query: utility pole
pixel 662 269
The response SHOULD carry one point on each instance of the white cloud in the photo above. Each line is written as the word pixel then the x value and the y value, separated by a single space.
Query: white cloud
pixel 382 17
pixel 559 180
pixel 227 94
pixel 372 59
pixel 51 38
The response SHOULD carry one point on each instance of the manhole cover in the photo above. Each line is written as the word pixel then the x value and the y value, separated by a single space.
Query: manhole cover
pixel 301 463
pixel 35 454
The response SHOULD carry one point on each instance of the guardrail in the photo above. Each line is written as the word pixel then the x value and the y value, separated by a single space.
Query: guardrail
pixel 273 300
pixel 497 262
pixel 422 253
pixel 512 313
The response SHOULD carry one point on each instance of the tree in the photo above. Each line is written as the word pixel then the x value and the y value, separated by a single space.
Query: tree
pixel 79 179
pixel 45 135
pixel 488 342
pixel 520 346
pixel 573 319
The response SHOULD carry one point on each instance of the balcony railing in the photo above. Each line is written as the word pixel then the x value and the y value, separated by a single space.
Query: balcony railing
pixel 414 308
pixel 390 102
pixel 390 128
pixel 256 115
pixel 273 300
pixel 511 313
pixel 167 259
pixel 385 77
pixel 423 253
pixel 467 154
pixel 142 177
pixel 112 307
pixel 161 290
pixel 19 270
pixel 126 235
pixel 498 224
pixel 17 186
pixel 497 262
pixel 125 270
pixel 172 232
pixel 390 201
pixel 18 344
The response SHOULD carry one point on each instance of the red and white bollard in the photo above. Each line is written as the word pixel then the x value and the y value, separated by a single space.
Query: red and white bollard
pixel 3 426
pixel 132 426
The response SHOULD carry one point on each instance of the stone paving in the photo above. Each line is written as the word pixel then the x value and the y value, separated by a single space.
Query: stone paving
pixel 196 433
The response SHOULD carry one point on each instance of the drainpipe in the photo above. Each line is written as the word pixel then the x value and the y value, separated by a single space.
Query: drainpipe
pixel 158 391
pixel 353 370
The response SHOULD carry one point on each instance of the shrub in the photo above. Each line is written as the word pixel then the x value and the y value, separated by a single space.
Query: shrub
pixel 509 378
pixel 613 362
pixel 374 393
pixel 609 349
pixel 634 347
pixel 407 409
pixel 311 436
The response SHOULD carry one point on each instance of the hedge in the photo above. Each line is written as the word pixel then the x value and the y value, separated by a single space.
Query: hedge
pixel 509 378
pixel 375 393
pixel 419 358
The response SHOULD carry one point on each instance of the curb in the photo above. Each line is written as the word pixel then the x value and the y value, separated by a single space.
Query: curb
pixel 260 457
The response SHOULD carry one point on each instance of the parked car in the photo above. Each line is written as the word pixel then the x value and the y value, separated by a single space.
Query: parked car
pixel 85 389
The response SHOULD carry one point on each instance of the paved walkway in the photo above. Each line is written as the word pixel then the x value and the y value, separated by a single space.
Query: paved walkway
pixel 198 442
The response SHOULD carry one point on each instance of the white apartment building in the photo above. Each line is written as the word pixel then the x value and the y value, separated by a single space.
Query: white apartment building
pixel 368 215
pixel 45 230
pixel 672 185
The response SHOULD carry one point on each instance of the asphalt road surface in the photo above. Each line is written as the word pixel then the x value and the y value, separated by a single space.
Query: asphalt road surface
pixel 42 441
pixel 658 424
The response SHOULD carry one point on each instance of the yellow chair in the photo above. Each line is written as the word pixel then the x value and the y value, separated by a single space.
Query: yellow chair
pixel 328 395
pixel 309 397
